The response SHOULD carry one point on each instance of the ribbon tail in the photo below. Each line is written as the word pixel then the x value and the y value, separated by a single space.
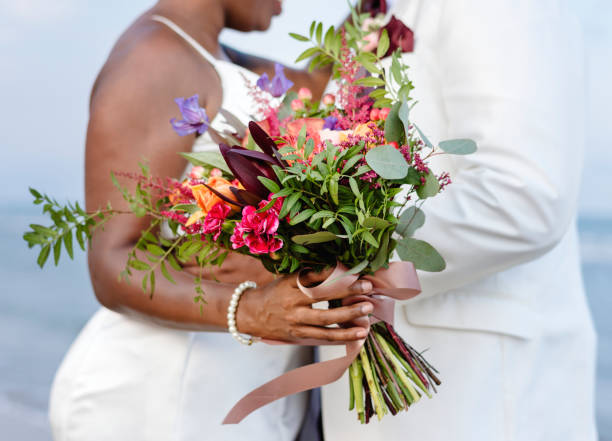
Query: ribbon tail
pixel 298 380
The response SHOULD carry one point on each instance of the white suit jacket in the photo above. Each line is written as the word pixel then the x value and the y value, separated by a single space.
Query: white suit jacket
pixel 506 321
pixel 508 74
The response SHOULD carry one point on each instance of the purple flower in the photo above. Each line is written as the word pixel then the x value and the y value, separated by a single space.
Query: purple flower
pixel 194 117
pixel 330 122
pixel 279 84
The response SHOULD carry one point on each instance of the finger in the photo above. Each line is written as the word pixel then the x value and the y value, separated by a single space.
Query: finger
pixel 329 334
pixel 313 277
pixel 324 317
pixel 357 288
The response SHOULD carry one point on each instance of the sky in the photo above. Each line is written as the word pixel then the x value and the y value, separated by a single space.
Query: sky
pixel 50 53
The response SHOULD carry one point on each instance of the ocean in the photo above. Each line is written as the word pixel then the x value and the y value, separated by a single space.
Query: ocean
pixel 42 312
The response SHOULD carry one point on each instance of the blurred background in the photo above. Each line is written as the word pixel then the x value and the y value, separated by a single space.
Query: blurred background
pixel 50 53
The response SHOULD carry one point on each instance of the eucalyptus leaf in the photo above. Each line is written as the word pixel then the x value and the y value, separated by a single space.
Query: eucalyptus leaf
pixel 410 220
pixel 394 128
pixel 430 188
pixel 387 162
pixel 423 255
pixel 458 146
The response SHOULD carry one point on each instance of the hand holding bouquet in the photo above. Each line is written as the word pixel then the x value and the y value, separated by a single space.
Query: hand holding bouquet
pixel 311 185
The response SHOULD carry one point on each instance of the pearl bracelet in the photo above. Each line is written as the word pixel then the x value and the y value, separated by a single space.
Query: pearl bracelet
pixel 231 312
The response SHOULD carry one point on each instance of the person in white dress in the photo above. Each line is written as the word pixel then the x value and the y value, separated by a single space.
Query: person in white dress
pixel 156 369
pixel 507 322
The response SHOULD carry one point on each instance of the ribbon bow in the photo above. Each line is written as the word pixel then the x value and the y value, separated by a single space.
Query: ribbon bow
pixel 398 282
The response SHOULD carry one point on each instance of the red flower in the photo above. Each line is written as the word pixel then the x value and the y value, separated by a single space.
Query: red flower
pixel 213 222
pixel 265 222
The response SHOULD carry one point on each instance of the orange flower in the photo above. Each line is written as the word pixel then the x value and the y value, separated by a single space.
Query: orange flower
pixel 206 199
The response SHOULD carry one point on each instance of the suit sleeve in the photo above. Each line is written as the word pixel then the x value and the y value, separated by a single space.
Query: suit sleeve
pixel 510 75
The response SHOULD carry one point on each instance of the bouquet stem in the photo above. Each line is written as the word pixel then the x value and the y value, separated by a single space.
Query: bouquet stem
pixel 388 376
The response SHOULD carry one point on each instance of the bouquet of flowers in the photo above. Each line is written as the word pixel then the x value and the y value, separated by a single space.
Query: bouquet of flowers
pixel 311 185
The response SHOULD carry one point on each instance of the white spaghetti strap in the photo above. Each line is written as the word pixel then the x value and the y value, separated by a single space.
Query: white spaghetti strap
pixel 185 36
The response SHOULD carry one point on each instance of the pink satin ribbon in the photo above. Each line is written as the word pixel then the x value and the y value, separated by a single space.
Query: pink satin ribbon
pixel 398 282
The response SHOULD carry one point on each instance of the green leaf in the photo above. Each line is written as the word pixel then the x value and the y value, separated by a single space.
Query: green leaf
pixel 309 148
pixel 403 114
pixel 387 162
pixel 166 273
pixel 319 32
pixel 288 204
pixel 173 263
pixel 298 37
pixel 383 44
pixel 430 188
pixel 155 249
pixel 35 193
pixel 382 256
pixel 302 216
pixel 423 255
pixel 57 250
pixel 410 220
pixel 152 282
pixel 423 137
pixel 68 244
pixel 322 214
pixel 369 238
pixel 139 265
pixel 44 254
pixel 319 237
pixel 283 193
pixel 207 159
pixel 394 128
pixel 269 184
pixel 458 146
pixel 354 186
pixel 329 36
pixel 333 188
pixel 370 82
pixel 375 222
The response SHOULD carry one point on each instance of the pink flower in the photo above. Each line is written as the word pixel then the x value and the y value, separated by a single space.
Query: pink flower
pixel 197 172
pixel 215 172
pixel 371 42
pixel 263 245
pixel 297 104
pixel 213 222
pixel 328 99
pixel 304 94
pixel 237 238
pixel 265 222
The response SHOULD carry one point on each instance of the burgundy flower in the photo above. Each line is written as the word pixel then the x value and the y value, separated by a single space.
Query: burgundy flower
pixel 374 6
pixel 213 222
pixel 400 36
pixel 246 165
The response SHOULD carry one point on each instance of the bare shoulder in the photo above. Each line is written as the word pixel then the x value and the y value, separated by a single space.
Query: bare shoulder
pixel 148 67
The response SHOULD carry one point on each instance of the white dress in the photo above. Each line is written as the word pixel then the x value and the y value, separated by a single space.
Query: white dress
pixel 131 380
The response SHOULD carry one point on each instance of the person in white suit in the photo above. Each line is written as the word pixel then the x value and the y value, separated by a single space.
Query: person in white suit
pixel 506 323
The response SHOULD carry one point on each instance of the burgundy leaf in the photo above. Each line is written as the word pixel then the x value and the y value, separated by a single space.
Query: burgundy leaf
pixel 245 197
pixel 267 144
pixel 223 197
pixel 246 171
pixel 374 7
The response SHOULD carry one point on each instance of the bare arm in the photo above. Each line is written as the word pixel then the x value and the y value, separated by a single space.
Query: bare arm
pixel 129 123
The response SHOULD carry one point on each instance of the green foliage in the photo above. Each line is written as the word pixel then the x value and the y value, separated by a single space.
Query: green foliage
pixel 410 220
pixel 208 160
pixel 423 255
pixel 459 146
pixel 387 162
